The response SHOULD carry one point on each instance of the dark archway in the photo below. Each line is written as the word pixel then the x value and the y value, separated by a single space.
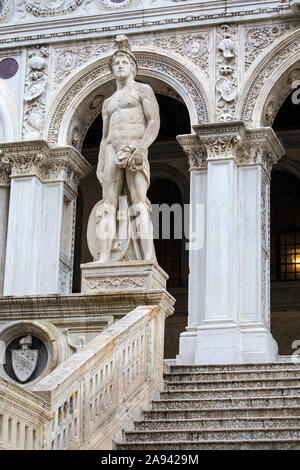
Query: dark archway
pixel 285 231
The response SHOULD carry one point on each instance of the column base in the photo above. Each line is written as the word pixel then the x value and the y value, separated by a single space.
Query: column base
pixel 187 346
pixel 259 346
pixel 227 343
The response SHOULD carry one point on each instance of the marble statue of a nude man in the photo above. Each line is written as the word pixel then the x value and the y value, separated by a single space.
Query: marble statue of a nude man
pixel 130 124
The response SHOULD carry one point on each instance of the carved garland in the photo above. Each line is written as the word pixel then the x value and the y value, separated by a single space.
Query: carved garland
pixel 42 8
pixel 145 62
pixel 262 75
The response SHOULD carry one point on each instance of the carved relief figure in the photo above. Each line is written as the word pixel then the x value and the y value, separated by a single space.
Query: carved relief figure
pixel 130 125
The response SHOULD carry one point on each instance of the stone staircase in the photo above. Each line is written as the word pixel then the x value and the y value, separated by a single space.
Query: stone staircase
pixel 234 407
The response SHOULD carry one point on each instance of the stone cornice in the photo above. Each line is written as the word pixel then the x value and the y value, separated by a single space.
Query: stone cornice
pixel 177 14
pixel 36 158
pixel 195 151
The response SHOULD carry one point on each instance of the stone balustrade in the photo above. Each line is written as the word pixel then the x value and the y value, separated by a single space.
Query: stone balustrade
pixel 24 419
pixel 92 394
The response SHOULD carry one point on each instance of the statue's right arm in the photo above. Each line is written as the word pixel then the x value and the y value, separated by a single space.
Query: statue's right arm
pixel 102 150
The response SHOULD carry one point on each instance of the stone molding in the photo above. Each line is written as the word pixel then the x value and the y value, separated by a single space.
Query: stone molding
pixel 36 158
pixel 195 151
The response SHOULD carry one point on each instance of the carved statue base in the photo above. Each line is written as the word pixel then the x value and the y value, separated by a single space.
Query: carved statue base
pixel 131 276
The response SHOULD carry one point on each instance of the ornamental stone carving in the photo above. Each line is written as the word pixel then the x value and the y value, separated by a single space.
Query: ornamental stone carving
pixel 194 47
pixel 50 7
pixel 280 54
pixel 35 93
pixel 7 8
pixel 37 159
pixel 226 75
pixel 223 140
pixel 259 37
pixel 195 151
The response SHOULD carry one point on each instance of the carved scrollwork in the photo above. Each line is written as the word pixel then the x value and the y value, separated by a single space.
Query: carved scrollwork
pixel 49 7
pixel 195 151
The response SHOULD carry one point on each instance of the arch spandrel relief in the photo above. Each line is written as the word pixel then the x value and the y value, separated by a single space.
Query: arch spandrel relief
pixel 256 106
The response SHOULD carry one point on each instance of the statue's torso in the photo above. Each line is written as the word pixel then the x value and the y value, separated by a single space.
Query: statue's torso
pixel 127 122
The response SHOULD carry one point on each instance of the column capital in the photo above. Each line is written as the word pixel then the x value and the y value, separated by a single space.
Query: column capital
pixel 195 151
pixel 36 158
pixel 261 147
pixel 222 140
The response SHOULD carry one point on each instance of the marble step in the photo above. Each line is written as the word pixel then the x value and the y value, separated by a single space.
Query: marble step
pixel 218 423
pixel 219 403
pixel 237 413
pixel 233 375
pixel 277 366
pixel 274 444
pixel 193 435
pixel 230 393
pixel 230 384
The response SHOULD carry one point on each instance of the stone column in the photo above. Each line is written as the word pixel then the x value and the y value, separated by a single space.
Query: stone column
pixel 219 338
pixel 197 247
pixel 260 151
pixel 40 238
pixel 235 327
pixel 4 204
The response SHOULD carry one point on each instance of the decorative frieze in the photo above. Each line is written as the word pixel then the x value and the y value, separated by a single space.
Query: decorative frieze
pixel 226 73
pixel 35 93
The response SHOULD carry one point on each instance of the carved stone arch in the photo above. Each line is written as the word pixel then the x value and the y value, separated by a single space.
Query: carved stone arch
pixel 269 83
pixel 186 82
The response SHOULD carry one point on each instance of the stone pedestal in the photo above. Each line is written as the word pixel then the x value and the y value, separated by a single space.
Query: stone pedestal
pixel 133 276
pixel 233 316
pixel 39 251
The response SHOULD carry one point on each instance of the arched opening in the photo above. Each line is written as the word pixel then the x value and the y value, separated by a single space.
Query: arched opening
pixel 169 185
pixel 285 231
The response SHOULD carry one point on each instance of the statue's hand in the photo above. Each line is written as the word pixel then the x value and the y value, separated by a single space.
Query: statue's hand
pixel 137 158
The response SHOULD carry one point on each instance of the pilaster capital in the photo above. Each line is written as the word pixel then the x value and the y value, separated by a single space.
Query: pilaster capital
pixel 4 172
pixel 195 151
pixel 262 147
pixel 222 140
pixel 36 158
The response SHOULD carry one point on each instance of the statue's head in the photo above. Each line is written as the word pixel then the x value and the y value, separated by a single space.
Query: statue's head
pixel 123 52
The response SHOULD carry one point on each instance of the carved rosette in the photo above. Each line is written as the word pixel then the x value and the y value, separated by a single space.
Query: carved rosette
pixel 195 151
pixel 226 73
pixel 35 93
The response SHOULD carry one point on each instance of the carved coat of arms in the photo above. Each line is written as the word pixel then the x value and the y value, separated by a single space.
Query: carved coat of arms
pixel 24 360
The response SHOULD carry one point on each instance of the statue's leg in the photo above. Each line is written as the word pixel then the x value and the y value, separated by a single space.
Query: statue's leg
pixel 138 186
pixel 113 179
